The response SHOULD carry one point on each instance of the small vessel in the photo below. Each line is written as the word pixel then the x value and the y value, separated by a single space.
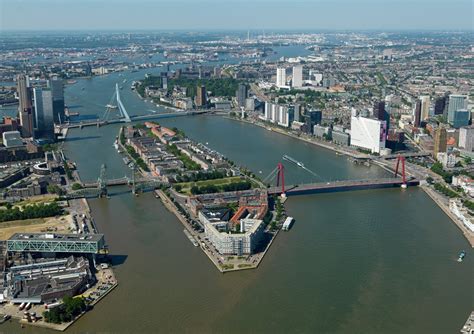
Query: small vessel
pixel 296 162
pixel 111 106
pixel 116 145
pixel 462 255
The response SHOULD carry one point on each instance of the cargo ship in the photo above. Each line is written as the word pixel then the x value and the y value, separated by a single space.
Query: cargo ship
pixel 462 255
pixel 296 162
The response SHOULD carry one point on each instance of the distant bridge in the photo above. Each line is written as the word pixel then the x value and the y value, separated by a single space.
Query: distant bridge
pixel 124 117
pixel 336 186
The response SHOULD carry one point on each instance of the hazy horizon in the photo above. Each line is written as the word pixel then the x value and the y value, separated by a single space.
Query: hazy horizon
pixel 233 15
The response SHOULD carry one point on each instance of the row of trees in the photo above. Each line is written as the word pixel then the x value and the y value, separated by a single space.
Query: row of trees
pixel 41 210
pixel 139 161
pixel 445 190
pixel 187 161
pixel 211 188
pixel 201 176
pixel 67 311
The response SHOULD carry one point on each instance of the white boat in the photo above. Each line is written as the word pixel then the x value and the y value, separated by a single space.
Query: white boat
pixel 111 106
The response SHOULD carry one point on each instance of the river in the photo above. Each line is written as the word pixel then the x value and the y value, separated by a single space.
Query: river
pixel 376 261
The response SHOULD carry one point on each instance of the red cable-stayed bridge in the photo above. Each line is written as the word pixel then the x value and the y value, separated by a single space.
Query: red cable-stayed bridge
pixel 399 180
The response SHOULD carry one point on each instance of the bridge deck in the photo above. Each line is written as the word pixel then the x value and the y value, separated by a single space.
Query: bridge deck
pixel 346 185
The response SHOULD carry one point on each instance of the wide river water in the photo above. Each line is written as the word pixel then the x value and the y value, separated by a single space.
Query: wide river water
pixel 378 261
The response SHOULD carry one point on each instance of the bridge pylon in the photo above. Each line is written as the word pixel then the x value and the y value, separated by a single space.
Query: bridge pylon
pixel 281 177
pixel 401 159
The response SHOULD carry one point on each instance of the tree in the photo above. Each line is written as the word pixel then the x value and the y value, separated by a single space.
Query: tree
pixel 76 186
pixel 55 189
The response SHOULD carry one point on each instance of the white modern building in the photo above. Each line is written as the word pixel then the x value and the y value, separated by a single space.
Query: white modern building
pixel 231 243
pixel 368 133
pixel 297 80
pixel 12 139
pixel 466 138
pixel 281 77
pixel 425 107
pixel 279 114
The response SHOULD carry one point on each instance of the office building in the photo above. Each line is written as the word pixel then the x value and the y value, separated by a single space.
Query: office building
pixel 368 133
pixel 440 141
pixel 425 107
pixel 201 99
pixel 440 105
pixel 417 114
pixel 164 81
pixel 381 113
pixel 25 108
pixel 44 116
pixel 281 77
pixel 456 102
pixel 320 131
pixel 297 107
pixel 461 118
pixel 340 138
pixel 297 80
pixel 311 118
pixel 241 95
pixel 57 91
pixel 466 138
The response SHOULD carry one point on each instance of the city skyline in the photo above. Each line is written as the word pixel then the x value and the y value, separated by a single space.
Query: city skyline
pixel 245 15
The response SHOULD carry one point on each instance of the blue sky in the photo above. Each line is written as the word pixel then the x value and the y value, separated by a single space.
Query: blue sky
pixel 235 14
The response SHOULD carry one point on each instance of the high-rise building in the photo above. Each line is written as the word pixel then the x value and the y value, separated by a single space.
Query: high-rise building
pixel 25 109
pixel 281 77
pixel 44 115
pixel 368 133
pixel 297 108
pixel 440 105
pixel 440 141
pixel 456 102
pixel 379 110
pixel 461 118
pixel 311 118
pixel 57 91
pixel 466 138
pixel 201 99
pixel 417 114
pixel 425 107
pixel 297 80
pixel 241 95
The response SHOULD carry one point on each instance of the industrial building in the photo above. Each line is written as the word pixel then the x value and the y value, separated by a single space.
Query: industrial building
pixel 43 282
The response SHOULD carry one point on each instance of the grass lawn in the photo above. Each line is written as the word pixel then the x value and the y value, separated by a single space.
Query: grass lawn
pixel 186 186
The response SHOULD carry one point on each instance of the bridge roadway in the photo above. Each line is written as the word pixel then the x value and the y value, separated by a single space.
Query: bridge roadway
pixel 346 185
pixel 99 123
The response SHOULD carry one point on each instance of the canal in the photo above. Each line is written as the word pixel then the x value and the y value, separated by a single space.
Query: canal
pixel 376 261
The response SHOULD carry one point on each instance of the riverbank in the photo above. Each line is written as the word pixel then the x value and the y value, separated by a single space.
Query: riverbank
pixel 441 202
pixel 317 143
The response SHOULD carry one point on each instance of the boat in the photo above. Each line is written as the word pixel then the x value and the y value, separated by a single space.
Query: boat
pixel 111 106
pixel 116 145
pixel 191 238
pixel 296 162
pixel 462 255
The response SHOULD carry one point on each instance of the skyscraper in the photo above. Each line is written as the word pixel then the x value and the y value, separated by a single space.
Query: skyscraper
pixel 425 107
pixel 44 114
pixel 25 109
pixel 440 104
pixel 201 96
pixel 440 141
pixel 297 76
pixel 57 91
pixel 417 114
pixel 456 102
pixel 241 95
pixel 281 77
